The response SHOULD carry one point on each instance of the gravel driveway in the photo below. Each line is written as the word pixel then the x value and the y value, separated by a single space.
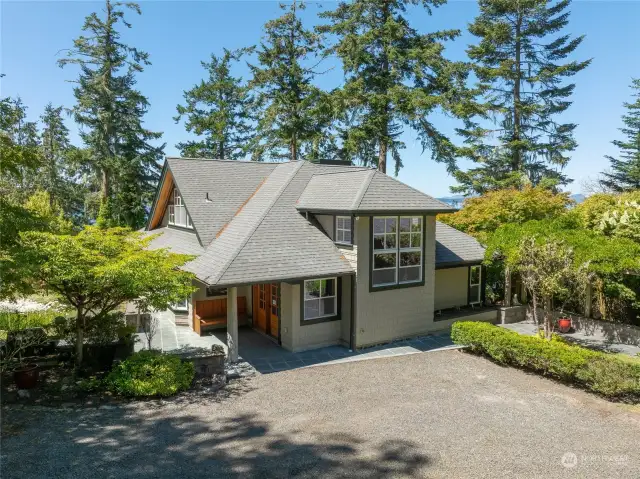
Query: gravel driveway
pixel 440 414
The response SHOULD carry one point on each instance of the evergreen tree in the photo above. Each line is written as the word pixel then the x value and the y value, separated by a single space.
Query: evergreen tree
pixel 394 78
pixel 293 112
pixel 521 73
pixel 19 150
pixel 219 110
pixel 625 170
pixel 110 110
pixel 55 145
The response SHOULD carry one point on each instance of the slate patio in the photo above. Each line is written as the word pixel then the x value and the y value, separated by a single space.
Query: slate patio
pixel 267 357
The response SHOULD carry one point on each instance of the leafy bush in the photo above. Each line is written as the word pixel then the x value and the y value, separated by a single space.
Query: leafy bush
pixel 106 329
pixel 13 321
pixel 150 373
pixel 608 374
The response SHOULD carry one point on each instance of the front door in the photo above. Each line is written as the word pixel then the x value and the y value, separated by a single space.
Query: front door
pixel 266 302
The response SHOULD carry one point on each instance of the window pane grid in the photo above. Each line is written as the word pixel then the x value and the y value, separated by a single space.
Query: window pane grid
pixel 320 298
pixel 397 250
pixel 178 215
pixel 343 229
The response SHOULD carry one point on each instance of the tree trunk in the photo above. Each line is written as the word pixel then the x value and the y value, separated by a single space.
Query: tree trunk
pixel 79 336
pixel 534 302
pixel 293 148
pixel 382 157
pixel 507 287
pixel 105 187
pixel 516 161
pixel 548 318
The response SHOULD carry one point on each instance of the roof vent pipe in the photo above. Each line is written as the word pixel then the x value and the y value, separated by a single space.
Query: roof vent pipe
pixel 206 197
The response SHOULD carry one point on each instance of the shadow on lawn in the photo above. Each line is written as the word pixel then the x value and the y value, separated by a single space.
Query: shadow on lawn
pixel 139 442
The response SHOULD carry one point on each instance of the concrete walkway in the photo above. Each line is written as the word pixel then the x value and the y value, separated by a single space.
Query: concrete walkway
pixel 266 356
pixel 593 341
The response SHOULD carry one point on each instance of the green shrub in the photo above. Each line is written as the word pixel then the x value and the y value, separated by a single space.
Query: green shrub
pixel 150 373
pixel 608 374
pixel 13 321
pixel 107 329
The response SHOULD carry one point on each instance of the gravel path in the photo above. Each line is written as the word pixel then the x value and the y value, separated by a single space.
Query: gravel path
pixel 440 414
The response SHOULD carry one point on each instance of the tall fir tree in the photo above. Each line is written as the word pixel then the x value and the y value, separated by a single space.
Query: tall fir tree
pixel 395 77
pixel 110 112
pixel 293 112
pixel 55 146
pixel 625 170
pixel 220 111
pixel 520 64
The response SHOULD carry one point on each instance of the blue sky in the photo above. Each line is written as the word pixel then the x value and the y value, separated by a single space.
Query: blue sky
pixel 179 34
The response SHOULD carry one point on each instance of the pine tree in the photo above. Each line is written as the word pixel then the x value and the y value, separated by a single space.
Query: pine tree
pixel 110 110
pixel 625 170
pixel 394 78
pixel 293 112
pixel 521 73
pixel 219 110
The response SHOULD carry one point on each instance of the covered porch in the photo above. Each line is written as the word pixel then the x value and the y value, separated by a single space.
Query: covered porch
pixel 265 356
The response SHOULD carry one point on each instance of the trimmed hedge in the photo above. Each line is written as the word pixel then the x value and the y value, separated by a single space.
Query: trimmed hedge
pixel 150 373
pixel 612 375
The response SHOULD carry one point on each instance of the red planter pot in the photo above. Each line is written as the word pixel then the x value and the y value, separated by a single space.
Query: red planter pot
pixel 564 325
pixel 26 377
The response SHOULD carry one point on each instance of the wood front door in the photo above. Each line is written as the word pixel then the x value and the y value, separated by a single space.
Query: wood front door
pixel 266 303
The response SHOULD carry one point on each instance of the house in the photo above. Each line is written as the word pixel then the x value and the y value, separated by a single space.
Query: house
pixel 314 254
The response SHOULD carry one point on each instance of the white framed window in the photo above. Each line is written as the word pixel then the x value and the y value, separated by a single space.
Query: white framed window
pixel 475 279
pixel 343 229
pixel 397 250
pixel 410 247
pixel 178 215
pixel 320 298
pixel 181 306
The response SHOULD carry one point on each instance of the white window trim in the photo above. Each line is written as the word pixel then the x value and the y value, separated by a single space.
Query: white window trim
pixel 477 300
pixel 397 251
pixel 384 250
pixel 181 307
pixel 350 230
pixel 335 299
pixel 410 249
pixel 177 202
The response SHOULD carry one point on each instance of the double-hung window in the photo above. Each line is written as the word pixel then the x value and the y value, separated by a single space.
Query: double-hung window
pixel 178 215
pixel 343 229
pixel 397 250
pixel 320 298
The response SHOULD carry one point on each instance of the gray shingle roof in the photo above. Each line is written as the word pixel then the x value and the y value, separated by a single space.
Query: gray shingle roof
pixel 228 183
pixel 364 191
pixel 175 240
pixel 455 247
pixel 252 230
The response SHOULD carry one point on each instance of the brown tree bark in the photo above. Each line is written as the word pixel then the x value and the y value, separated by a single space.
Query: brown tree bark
pixel 79 336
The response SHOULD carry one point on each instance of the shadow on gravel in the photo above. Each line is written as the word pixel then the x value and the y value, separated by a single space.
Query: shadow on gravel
pixel 155 443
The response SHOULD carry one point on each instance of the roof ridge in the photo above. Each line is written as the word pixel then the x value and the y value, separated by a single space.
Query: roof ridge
pixel 248 236
pixel 219 160
pixel 363 190
pixel 356 169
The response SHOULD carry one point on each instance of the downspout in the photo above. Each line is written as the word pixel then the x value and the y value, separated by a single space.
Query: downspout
pixel 352 342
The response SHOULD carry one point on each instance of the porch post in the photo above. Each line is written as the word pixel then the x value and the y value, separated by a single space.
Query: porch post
pixel 232 323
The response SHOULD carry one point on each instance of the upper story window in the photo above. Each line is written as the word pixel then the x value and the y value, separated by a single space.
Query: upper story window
pixel 397 250
pixel 344 230
pixel 178 215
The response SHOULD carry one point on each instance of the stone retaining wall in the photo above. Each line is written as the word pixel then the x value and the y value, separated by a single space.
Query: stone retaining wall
pixel 511 314
pixel 611 331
